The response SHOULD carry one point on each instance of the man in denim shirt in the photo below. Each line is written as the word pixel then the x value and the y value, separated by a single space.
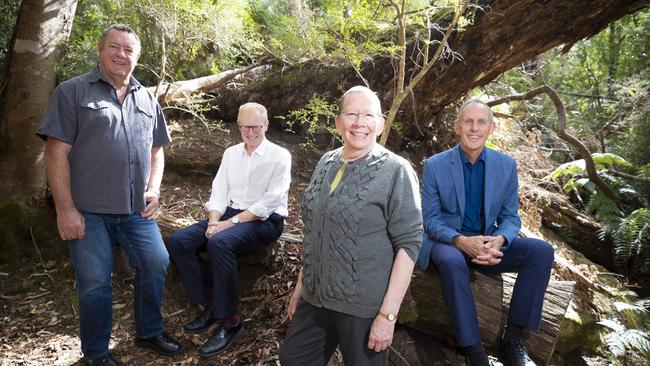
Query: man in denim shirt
pixel 104 135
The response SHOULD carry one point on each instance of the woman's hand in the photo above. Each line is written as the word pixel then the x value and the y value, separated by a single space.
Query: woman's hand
pixel 295 297
pixel 381 334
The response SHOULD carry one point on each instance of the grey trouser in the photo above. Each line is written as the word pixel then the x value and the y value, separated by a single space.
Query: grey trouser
pixel 315 332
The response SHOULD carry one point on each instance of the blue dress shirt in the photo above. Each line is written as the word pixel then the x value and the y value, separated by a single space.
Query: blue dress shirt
pixel 474 177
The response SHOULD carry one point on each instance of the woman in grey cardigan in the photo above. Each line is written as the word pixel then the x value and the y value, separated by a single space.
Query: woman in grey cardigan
pixel 363 230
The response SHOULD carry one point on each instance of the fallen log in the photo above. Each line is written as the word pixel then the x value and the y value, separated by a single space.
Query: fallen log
pixel 181 91
pixel 424 309
pixel 577 229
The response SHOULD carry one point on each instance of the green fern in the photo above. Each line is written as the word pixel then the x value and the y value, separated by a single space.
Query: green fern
pixel 628 333
pixel 632 241
pixel 629 227
pixel 579 167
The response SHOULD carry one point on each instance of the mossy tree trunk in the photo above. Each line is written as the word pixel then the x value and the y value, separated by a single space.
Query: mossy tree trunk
pixel 41 29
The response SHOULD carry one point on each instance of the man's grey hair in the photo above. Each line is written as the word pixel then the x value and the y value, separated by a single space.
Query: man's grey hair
pixel 359 89
pixel 119 27
pixel 256 107
pixel 471 101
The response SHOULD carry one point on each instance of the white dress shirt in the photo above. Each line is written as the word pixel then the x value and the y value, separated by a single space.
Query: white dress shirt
pixel 258 182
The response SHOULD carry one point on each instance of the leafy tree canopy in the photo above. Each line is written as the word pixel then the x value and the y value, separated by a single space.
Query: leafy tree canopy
pixel 191 38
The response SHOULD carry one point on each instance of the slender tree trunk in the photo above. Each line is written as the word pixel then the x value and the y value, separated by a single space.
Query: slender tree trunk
pixel 41 29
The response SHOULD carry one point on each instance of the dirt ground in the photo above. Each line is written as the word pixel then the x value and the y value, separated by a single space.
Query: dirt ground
pixel 38 306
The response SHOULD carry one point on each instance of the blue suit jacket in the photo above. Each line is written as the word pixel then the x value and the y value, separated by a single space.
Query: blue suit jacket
pixel 443 199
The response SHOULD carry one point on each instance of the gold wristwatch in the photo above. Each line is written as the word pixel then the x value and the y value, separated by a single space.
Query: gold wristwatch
pixel 390 316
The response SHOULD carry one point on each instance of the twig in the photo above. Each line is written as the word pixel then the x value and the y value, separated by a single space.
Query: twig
pixel 560 130
pixel 399 355
pixel 40 256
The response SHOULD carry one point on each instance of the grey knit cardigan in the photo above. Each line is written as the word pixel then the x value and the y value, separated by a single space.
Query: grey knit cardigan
pixel 351 236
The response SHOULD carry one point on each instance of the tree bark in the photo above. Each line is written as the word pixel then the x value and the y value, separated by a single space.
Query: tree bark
pixel 41 30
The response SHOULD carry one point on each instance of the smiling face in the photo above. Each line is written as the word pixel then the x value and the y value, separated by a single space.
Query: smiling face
pixel 359 123
pixel 252 126
pixel 473 126
pixel 118 55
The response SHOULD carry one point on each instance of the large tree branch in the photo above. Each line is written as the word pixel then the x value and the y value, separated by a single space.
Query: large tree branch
pixel 177 92
pixel 560 130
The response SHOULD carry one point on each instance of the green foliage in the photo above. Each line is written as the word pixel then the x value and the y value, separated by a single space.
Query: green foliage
pixel 341 30
pixel 578 167
pixel 316 117
pixel 626 335
pixel 632 241
pixel 629 229
pixel 296 31
pixel 8 15
pixel 634 96
pixel 216 34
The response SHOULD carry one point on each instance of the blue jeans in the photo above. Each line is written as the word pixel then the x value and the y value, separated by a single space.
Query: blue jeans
pixel 93 257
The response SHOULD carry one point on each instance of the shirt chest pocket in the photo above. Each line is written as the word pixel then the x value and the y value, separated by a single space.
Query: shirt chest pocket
pixel 141 125
pixel 98 116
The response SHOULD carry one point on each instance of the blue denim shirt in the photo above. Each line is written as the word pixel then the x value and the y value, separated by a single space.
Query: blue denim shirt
pixel 110 157
pixel 474 177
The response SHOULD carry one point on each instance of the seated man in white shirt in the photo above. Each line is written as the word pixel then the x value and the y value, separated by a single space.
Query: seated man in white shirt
pixel 246 211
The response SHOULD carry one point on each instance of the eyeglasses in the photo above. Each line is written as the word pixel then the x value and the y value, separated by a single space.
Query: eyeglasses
pixel 357 116
pixel 254 128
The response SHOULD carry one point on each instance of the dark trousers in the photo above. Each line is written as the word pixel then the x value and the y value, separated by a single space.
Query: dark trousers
pixel 315 333
pixel 532 259
pixel 216 282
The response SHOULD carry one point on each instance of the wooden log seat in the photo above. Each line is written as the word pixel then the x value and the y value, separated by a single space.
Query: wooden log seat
pixel 424 309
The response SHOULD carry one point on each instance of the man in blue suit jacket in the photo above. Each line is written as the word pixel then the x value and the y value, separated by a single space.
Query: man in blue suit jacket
pixel 470 204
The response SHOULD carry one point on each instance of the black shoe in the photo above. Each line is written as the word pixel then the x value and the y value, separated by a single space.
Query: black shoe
pixel 106 360
pixel 490 362
pixel 220 340
pixel 163 344
pixel 513 353
pixel 201 323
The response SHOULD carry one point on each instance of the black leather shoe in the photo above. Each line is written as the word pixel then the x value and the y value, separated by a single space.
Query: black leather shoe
pixel 513 353
pixel 220 340
pixel 107 360
pixel 490 362
pixel 201 323
pixel 163 344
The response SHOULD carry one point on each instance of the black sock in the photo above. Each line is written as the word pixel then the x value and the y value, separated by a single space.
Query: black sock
pixel 476 355
pixel 513 332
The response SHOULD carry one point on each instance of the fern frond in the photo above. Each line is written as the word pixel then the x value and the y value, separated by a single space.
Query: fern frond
pixel 613 324
pixel 636 339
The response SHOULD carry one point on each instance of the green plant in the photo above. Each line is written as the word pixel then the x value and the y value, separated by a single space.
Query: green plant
pixel 315 116
pixel 629 228
pixel 625 335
